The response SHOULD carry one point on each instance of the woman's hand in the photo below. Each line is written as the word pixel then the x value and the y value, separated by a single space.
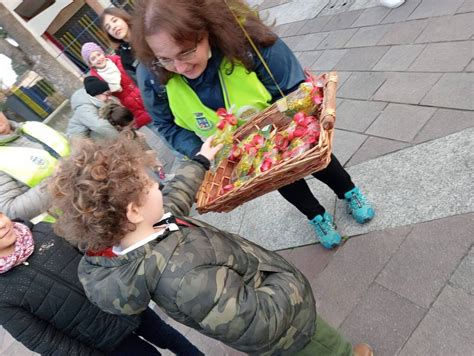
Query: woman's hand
pixel 208 151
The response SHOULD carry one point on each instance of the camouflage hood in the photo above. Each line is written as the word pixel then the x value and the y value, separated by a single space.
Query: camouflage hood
pixel 215 282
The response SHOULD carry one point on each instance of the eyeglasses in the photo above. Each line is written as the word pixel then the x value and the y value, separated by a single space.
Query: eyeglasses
pixel 183 57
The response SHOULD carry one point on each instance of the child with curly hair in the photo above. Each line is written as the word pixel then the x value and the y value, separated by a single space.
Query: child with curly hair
pixel 142 246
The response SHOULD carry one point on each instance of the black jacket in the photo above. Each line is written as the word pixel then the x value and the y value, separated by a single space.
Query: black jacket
pixel 129 62
pixel 43 305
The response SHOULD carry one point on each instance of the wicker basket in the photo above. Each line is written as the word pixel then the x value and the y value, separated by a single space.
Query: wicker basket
pixel 286 172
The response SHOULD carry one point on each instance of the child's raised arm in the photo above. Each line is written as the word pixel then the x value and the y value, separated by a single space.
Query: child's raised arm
pixel 180 193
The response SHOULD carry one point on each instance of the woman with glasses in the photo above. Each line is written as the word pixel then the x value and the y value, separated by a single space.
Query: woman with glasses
pixel 200 60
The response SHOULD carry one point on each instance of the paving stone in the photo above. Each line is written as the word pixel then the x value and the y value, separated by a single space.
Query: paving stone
pixel 280 29
pixel 342 77
pixel 308 42
pixel 298 54
pixel 352 269
pixel 225 221
pixel 468 6
pixel 270 3
pixel 427 258
pixel 357 59
pixel 454 90
pixel 448 28
pixel 407 88
pixel 401 122
pixel 433 8
pixel 401 13
pixel 444 57
pixel 286 253
pixel 346 143
pixel 362 4
pixel 371 16
pixel 399 58
pixel 228 351
pixel 382 319
pixel 18 349
pixel 362 85
pixel 314 25
pixel 9 346
pixel 311 259
pixel 208 346
pixel 293 28
pixel 375 147
pixel 292 42
pixel 340 6
pixel 328 59
pixel 404 33
pixel 294 11
pixel 357 115
pixel 337 39
pixel 342 20
pixel 445 122
pixel 436 176
pixel 271 214
pixel 470 67
pixel 446 329
pixel 368 36
pixel 166 156
pixel 308 58
pixel 468 217
pixel 462 278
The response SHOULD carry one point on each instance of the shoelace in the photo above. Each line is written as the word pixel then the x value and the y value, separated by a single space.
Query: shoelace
pixel 326 222
pixel 358 200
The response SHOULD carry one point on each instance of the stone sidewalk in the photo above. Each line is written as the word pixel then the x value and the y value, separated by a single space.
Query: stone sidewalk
pixel 406 85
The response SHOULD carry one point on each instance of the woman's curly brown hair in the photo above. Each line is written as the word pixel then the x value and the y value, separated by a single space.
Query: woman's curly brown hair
pixel 186 20
pixel 93 187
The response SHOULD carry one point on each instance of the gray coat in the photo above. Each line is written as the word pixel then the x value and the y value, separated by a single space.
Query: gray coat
pixel 213 281
pixel 16 199
pixel 85 120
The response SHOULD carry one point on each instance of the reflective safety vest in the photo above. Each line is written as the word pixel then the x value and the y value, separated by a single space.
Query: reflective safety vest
pixel 242 90
pixel 31 165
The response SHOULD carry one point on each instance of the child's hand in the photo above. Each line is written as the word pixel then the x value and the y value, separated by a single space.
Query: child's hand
pixel 208 151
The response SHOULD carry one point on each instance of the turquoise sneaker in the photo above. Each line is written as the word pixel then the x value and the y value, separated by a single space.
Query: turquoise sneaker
pixel 358 206
pixel 326 230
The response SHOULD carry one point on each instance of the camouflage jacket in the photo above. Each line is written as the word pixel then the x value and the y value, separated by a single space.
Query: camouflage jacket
pixel 213 281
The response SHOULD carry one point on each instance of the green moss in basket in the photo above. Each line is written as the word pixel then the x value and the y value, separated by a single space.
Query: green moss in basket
pixel 300 101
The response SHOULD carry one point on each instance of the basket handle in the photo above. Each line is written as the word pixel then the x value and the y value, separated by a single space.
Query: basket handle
pixel 328 116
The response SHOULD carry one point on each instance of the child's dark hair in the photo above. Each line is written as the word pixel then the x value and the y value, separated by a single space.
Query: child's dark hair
pixel 119 116
pixel 93 187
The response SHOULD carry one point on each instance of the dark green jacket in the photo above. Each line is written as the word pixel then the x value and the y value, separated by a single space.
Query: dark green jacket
pixel 216 282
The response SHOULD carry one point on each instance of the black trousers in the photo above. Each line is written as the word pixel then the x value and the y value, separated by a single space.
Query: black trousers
pixel 153 329
pixel 299 194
